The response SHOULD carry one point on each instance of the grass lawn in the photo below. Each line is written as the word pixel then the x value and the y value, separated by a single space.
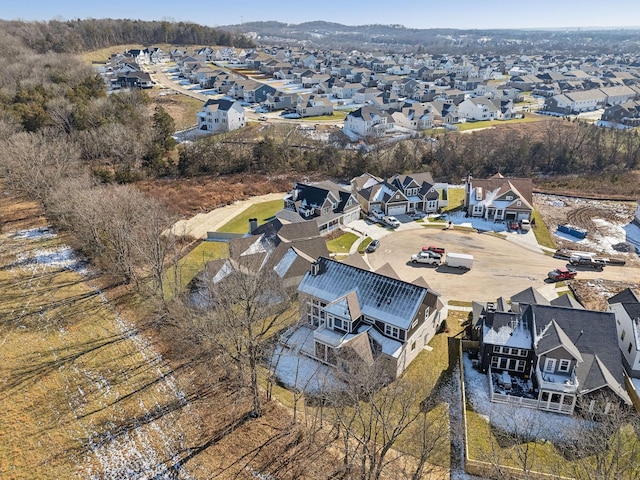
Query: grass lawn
pixel 456 199
pixel 191 264
pixel 337 116
pixel 462 127
pixel 364 244
pixel 262 211
pixel 542 233
pixel 343 243
pixel 83 394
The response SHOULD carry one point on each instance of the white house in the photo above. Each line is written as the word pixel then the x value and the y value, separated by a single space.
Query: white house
pixel 222 115
pixel 626 307
pixel 480 108
pixel 367 121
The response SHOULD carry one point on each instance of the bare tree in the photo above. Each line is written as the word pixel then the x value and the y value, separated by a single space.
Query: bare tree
pixel 606 446
pixel 373 419
pixel 246 305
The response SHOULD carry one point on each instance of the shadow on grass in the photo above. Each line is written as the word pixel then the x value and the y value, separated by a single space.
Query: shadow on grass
pixel 33 368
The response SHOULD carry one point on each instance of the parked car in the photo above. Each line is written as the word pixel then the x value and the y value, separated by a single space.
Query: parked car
pixel 291 115
pixel 432 248
pixel 562 273
pixel 514 225
pixel 373 246
pixel 392 221
pixel 425 257
pixel 263 118
pixel 525 225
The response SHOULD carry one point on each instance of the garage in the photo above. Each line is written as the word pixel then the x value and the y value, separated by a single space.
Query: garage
pixel 397 210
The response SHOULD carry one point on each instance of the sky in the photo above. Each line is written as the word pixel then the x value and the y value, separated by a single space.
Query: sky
pixel 463 14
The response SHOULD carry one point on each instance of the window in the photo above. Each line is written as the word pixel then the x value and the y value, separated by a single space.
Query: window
pixel 337 323
pixel 564 365
pixel 550 365
pixel 630 347
pixel 623 334
pixel 392 331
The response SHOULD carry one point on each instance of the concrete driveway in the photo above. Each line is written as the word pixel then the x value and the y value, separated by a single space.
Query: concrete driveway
pixel 501 267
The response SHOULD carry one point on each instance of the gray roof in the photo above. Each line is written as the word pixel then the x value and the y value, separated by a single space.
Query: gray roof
pixel 388 299
pixel 592 334
pixel 625 296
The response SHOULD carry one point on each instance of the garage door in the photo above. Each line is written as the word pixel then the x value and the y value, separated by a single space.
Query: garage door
pixel 397 210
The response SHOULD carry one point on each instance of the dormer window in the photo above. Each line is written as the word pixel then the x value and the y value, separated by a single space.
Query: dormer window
pixel 564 365
pixel 509 197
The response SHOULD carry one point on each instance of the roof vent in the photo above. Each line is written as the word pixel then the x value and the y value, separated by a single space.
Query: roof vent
pixel 315 269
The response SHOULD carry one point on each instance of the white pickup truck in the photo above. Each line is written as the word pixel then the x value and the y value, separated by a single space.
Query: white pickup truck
pixel 429 258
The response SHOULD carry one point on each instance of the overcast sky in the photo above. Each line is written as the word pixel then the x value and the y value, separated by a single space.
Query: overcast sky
pixel 462 14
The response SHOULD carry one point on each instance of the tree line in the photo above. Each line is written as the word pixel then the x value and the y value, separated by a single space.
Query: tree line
pixel 75 36
pixel 548 148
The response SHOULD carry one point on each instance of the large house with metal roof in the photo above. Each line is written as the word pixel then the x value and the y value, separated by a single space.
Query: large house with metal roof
pixel 362 316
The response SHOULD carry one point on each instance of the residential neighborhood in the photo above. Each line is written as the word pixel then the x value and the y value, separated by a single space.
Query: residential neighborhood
pixel 306 251
pixel 408 93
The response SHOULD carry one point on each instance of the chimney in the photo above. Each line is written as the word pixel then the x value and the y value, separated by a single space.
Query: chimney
pixel 253 224
pixel 315 268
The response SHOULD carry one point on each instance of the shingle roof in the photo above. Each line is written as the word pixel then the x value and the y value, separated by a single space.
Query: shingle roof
pixel 592 333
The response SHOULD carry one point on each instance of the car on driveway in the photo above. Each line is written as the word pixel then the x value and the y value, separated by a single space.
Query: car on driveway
pixel 562 273
pixel 432 248
pixel 373 246
pixel 392 221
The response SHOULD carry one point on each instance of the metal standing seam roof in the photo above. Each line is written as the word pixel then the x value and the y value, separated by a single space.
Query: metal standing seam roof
pixel 390 300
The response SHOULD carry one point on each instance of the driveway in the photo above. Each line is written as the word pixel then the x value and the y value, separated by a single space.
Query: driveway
pixel 501 267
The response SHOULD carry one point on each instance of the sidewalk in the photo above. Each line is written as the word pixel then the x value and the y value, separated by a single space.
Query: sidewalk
pixel 202 223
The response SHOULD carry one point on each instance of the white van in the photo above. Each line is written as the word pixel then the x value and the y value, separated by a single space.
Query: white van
pixel 525 225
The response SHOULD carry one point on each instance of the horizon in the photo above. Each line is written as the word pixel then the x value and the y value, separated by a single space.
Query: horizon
pixel 463 15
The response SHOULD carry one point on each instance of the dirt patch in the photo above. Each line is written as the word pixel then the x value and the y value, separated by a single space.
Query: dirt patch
pixel 608 224
pixel 593 294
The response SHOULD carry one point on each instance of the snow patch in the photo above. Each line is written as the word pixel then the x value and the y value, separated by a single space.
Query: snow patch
pixel 555 427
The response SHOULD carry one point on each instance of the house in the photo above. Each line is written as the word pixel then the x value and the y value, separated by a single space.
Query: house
pixel 326 203
pixel 446 112
pixel 362 316
pixel 310 105
pixel 280 101
pixel 400 194
pixel 367 121
pixel 414 116
pixel 288 249
pixel 345 90
pixel 221 115
pixel 499 198
pixel 576 101
pixel 135 79
pixel 480 108
pixel 550 357
pixel 627 114
pixel 626 308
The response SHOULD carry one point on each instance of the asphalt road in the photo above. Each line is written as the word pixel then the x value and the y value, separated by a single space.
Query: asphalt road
pixel 501 268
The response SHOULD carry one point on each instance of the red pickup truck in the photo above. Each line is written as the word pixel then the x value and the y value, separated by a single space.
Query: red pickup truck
pixel 562 274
